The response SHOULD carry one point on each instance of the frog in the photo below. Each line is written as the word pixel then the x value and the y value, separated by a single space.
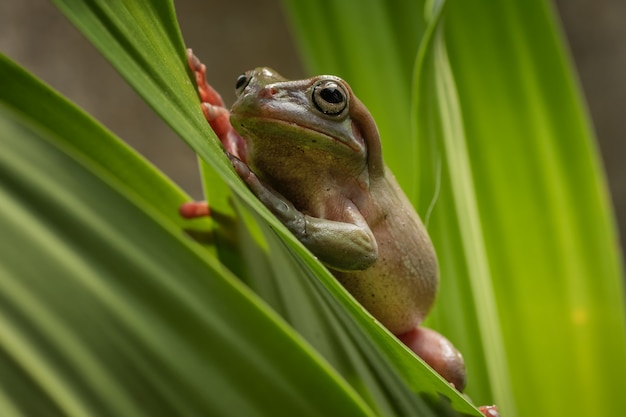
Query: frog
pixel 311 153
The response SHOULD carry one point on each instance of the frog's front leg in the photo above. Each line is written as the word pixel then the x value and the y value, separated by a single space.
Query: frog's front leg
pixel 218 117
pixel 346 245
pixel 215 111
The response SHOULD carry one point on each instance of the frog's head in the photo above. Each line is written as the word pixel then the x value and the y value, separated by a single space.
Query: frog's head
pixel 313 124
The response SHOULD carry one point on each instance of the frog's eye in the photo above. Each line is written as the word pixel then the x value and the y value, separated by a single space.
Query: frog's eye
pixel 330 97
pixel 242 82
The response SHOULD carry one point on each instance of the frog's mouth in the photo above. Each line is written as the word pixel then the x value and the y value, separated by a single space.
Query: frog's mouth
pixel 254 124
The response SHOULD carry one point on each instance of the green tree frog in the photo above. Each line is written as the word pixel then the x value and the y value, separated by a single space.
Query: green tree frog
pixel 311 152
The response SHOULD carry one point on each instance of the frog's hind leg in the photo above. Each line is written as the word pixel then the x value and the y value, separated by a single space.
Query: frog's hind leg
pixel 438 352
pixel 443 357
pixel 214 109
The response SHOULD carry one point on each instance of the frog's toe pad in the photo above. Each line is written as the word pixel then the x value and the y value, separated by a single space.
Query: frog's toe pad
pixel 489 411
pixel 194 209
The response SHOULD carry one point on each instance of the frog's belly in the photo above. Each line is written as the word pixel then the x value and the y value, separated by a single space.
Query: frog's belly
pixel 399 289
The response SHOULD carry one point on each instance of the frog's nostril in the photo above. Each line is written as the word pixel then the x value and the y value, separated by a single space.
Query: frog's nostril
pixel 268 91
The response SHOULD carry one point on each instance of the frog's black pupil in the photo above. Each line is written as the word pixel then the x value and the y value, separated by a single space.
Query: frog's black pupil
pixel 332 95
pixel 241 80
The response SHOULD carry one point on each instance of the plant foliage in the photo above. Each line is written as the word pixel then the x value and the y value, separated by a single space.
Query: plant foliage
pixel 108 307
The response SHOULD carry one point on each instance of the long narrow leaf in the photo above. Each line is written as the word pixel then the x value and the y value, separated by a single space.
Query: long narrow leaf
pixel 142 42
pixel 510 184
pixel 545 223
pixel 105 311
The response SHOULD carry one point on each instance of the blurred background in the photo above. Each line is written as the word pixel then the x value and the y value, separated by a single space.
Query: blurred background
pixel 238 35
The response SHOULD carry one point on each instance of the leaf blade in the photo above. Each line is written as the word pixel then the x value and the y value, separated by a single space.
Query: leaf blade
pixel 169 324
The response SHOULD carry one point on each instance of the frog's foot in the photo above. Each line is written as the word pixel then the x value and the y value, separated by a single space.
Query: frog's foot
pixel 207 93
pixel 438 352
pixel 194 209
pixel 215 111
pixel 489 411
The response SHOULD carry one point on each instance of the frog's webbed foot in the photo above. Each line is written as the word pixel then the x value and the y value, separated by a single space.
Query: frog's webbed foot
pixel 214 109
pixel 218 117
pixel 438 352
pixel 207 93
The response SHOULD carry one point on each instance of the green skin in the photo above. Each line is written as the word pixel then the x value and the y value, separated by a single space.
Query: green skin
pixel 310 151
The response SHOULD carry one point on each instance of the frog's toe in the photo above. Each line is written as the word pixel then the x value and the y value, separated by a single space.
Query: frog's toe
pixel 194 209
pixel 193 61
pixel 206 92
pixel 489 411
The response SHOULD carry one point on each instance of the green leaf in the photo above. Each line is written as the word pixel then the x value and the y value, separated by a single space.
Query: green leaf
pixel 531 285
pixel 509 182
pixel 143 42
pixel 108 309
pixel 547 229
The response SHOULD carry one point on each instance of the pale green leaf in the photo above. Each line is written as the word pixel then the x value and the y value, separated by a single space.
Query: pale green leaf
pixel 511 187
